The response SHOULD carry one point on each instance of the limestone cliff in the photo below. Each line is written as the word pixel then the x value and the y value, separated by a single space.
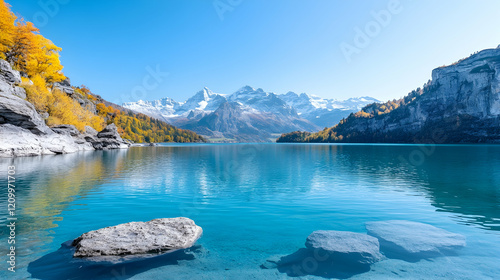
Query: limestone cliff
pixel 461 104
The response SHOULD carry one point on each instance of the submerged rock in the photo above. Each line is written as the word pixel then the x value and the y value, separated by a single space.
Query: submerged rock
pixel 330 254
pixel 345 246
pixel 406 239
pixel 154 237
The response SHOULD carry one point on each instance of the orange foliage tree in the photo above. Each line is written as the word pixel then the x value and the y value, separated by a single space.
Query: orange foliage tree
pixel 7 29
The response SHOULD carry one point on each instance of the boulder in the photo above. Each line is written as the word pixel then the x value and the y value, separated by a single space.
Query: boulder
pixel 19 112
pixel 407 239
pixel 7 74
pixel 138 238
pixel 109 132
pixel 329 254
pixel 90 131
pixel 345 246
pixel 108 138
pixel 9 79
pixel 64 86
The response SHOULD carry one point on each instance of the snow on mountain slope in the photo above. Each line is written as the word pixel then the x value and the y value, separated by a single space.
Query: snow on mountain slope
pixel 204 100
pixel 261 101
pixel 249 109
pixel 324 112
pixel 163 108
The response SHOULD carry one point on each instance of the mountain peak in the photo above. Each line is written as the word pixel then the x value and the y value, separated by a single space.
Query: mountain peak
pixel 246 88
pixel 204 94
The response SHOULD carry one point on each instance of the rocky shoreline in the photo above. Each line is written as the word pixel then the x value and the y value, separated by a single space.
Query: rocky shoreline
pixel 23 131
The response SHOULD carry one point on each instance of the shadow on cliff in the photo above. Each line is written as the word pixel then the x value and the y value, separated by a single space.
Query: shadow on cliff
pixel 61 265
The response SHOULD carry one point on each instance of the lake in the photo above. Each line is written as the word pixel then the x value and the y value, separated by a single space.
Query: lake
pixel 255 202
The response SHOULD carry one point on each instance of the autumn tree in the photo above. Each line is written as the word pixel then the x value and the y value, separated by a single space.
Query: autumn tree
pixel 7 28
pixel 23 44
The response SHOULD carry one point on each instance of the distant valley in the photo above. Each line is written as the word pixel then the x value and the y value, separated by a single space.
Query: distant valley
pixel 249 114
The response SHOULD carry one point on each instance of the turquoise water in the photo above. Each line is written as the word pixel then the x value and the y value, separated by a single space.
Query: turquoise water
pixel 255 202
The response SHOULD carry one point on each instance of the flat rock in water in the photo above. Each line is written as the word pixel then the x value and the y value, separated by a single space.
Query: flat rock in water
pixel 345 246
pixel 413 239
pixel 137 238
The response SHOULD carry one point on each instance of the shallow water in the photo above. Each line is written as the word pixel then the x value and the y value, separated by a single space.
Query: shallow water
pixel 255 202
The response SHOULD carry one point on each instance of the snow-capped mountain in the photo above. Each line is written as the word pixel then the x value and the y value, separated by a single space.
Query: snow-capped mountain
pixel 163 108
pixel 261 101
pixel 203 101
pixel 324 112
pixel 249 114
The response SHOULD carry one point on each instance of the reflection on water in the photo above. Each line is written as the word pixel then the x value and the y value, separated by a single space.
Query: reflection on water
pixel 251 191
pixel 466 180
pixel 46 185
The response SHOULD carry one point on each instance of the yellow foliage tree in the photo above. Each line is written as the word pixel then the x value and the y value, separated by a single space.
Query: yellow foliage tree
pixel 65 110
pixel 37 92
pixel 7 28
pixel 34 54
pixel 23 45
pixel 45 60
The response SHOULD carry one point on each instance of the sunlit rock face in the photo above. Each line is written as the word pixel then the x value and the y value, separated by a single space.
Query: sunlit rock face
pixel 24 132
pixel 136 238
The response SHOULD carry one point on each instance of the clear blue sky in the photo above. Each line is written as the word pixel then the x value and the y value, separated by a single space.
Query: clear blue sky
pixel 276 45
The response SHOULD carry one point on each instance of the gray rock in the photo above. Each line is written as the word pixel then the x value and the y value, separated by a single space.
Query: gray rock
pixel 9 79
pixel 7 74
pixel 66 129
pixel 90 131
pixel 345 246
pixel 154 237
pixel 19 92
pixel 64 86
pixel 406 239
pixel 110 132
pixel 108 138
pixel 18 142
pixel 19 112
pixel 23 131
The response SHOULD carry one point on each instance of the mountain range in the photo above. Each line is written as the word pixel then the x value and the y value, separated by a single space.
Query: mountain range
pixel 249 114
pixel 461 104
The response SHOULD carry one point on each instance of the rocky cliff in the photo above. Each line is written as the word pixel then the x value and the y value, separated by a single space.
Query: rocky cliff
pixel 23 132
pixel 461 104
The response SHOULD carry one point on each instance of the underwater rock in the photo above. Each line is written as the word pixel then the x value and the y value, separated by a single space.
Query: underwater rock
pixel 412 239
pixel 345 246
